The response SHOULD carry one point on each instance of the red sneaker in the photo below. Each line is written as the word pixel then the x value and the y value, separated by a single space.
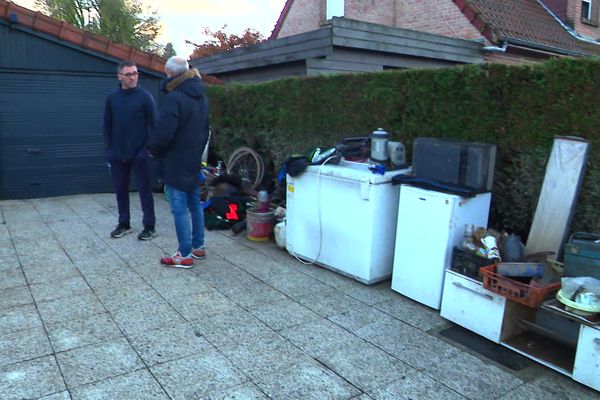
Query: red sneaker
pixel 199 254
pixel 177 261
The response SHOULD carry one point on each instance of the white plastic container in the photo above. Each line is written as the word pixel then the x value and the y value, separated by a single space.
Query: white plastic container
pixel 343 217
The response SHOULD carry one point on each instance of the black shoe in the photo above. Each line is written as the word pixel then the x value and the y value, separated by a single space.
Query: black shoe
pixel 147 234
pixel 120 231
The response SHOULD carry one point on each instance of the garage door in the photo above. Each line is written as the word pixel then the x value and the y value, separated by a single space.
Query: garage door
pixel 51 134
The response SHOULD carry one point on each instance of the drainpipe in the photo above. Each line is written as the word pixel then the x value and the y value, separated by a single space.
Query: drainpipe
pixel 495 49
pixel 571 31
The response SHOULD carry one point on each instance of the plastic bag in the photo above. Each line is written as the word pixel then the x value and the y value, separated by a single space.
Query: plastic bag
pixel 582 289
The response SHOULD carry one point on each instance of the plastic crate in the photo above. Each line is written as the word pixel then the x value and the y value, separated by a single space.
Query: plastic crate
pixel 529 295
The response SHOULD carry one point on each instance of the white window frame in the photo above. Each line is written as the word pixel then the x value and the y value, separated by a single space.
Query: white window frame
pixel 587 17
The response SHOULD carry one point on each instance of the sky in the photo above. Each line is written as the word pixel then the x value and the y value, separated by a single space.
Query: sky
pixel 185 19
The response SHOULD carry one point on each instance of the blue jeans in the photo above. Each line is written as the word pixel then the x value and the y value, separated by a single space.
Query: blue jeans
pixel 183 204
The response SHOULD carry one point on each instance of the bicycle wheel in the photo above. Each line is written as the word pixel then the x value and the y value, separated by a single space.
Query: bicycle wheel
pixel 248 164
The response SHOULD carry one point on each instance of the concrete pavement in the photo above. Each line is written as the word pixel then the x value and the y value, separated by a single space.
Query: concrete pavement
pixel 84 316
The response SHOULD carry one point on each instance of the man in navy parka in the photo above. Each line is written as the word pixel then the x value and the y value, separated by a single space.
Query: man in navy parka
pixel 178 141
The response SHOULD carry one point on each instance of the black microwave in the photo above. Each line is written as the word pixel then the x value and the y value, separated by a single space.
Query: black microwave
pixel 455 162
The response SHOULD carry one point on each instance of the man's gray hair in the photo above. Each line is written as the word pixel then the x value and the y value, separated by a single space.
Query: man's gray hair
pixel 177 65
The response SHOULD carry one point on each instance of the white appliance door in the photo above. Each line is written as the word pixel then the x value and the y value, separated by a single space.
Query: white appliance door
pixel 423 233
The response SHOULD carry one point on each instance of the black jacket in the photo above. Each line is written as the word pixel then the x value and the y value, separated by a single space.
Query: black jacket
pixel 129 115
pixel 181 133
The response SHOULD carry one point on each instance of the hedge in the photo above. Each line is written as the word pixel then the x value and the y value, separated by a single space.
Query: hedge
pixel 520 108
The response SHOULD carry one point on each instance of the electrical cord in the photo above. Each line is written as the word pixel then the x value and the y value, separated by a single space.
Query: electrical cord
pixel 319 218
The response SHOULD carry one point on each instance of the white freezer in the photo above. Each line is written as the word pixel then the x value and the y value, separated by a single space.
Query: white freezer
pixel 429 225
pixel 343 217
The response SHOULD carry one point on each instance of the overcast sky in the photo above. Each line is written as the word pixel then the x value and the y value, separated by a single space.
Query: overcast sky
pixel 184 19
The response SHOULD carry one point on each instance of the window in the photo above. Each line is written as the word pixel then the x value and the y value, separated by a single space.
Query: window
pixel 586 10
pixel 589 12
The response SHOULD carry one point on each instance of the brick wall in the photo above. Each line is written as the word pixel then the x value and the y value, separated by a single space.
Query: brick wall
pixel 574 16
pixel 304 16
pixel 441 17
pixel 376 11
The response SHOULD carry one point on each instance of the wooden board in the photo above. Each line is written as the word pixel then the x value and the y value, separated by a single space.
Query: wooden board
pixel 564 173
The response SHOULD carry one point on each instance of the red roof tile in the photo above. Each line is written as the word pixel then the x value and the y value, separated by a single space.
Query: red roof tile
pixel 87 40
pixel 525 23
pixel 282 16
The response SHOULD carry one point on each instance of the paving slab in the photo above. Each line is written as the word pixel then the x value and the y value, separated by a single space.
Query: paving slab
pixel 306 380
pixel 411 312
pixel 98 362
pixel 50 268
pixel 124 296
pixel 23 345
pixel 58 287
pixel 19 318
pixel 14 296
pixel 65 395
pixel 69 308
pixel 319 336
pixel 140 317
pixel 242 392
pixel 31 379
pixel 137 385
pixel 329 302
pixel 463 373
pixel 76 333
pixel 11 278
pixel 407 343
pixel 168 343
pixel 232 328
pixel 364 365
pixel 202 303
pixel 264 356
pixel 196 376
pixel 415 385
pixel 86 316
pixel 283 314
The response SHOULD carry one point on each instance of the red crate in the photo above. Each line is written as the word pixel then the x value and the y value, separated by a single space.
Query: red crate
pixel 530 295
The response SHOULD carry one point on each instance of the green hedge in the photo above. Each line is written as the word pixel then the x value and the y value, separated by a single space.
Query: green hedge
pixel 520 108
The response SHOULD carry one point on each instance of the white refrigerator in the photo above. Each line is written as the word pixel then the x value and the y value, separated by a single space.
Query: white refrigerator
pixel 429 225
pixel 343 217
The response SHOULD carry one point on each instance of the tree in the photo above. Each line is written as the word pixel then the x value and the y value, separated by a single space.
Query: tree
pixel 168 51
pixel 122 21
pixel 221 41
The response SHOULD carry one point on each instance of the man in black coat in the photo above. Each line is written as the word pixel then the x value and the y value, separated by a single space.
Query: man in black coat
pixel 178 141
pixel 129 114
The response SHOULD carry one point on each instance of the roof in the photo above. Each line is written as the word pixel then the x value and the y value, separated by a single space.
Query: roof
pixel 524 23
pixel 282 16
pixel 64 31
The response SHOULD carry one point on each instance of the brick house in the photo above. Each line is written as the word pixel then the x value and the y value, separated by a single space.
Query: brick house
pixel 315 37
pixel 514 31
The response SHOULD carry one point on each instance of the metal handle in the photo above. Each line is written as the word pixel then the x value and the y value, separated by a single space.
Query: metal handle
pixel 460 285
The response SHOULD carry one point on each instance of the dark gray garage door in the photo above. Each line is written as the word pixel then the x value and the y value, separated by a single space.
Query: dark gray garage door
pixel 51 134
